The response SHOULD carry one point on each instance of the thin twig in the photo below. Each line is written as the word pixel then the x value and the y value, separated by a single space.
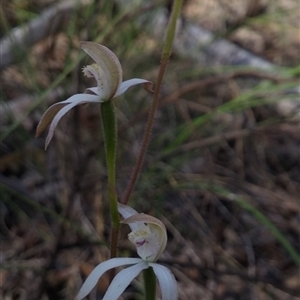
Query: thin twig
pixel 165 57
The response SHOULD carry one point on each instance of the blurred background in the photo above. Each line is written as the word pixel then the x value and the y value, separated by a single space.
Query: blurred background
pixel 222 170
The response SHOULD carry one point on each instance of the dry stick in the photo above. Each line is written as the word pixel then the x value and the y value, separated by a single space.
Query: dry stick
pixel 147 134
pixel 165 57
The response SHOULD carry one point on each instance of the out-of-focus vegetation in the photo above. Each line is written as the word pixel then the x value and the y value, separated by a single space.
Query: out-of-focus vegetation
pixel 222 170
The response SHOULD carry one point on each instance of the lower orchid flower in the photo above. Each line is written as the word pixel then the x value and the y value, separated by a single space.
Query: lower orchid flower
pixel 150 238
pixel 108 73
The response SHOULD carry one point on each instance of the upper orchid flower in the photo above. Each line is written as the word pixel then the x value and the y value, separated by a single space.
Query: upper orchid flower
pixel 150 238
pixel 108 73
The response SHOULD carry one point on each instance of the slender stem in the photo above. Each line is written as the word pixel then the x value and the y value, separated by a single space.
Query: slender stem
pixel 109 126
pixel 150 284
pixel 164 60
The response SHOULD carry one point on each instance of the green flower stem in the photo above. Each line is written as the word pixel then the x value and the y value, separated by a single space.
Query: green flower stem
pixel 109 126
pixel 150 284
pixel 164 60
pixel 171 29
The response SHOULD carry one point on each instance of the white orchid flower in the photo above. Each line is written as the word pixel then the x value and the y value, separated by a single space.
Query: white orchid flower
pixel 150 238
pixel 108 73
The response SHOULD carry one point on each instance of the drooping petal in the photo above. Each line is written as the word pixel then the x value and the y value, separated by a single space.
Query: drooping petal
pixel 52 111
pixel 63 110
pixel 167 282
pixel 111 70
pixel 93 278
pixel 48 116
pixel 123 279
pixel 158 235
pixel 125 85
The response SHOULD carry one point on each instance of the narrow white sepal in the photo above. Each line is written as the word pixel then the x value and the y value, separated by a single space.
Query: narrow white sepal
pixel 167 282
pixel 93 278
pixel 77 99
pixel 81 97
pixel 123 279
pixel 125 85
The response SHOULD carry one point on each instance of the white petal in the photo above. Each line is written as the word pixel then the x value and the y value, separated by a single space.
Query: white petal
pixel 167 282
pixel 93 278
pixel 126 212
pixel 125 85
pixel 76 100
pixel 123 279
